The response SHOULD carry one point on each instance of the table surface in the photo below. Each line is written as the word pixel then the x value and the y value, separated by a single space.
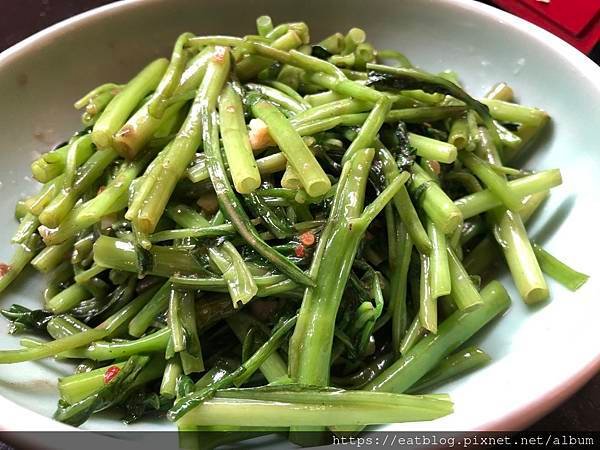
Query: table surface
pixel 21 18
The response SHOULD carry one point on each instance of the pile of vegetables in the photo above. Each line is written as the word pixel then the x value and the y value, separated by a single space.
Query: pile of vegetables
pixel 263 226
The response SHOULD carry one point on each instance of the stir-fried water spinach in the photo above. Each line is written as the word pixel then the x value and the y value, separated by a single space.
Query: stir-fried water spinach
pixel 261 226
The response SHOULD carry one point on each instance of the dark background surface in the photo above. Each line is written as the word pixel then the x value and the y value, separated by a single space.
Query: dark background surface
pixel 22 18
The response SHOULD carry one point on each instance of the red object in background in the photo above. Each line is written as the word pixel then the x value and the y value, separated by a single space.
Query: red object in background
pixel 575 21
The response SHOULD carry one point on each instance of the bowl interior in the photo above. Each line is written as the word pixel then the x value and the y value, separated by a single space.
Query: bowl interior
pixel 536 351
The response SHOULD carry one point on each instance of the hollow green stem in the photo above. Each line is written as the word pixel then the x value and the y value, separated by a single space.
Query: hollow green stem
pixel 433 149
pixel 459 363
pixel 370 128
pixel 236 143
pixel 169 380
pixel 21 257
pixel 400 58
pixel 142 126
pixel 427 302
pixel 430 350
pixel 162 261
pixel 514 113
pixel 278 97
pixel 183 147
pixel 60 206
pixel 125 102
pixel 171 78
pixel 311 175
pixel 50 257
pixel 74 388
pixel 67 299
pixel 437 205
pixel 398 279
pixel 413 334
pixel 440 271
pixel 241 285
pixel 104 351
pixel 403 203
pixel 79 151
pixel 51 348
pixel 262 408
pixel 27 226
pixel 345 87
pixel 336 108
pixel 558 270
pixel 511 235
pixel 464 294
pixel 482 201
pixel 113 198
pixel 50 165
pixel 128 312
pixel 494 182
pixel 149 311
pixel 500 91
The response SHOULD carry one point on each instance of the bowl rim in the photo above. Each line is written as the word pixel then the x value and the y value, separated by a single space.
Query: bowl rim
pixel 514 420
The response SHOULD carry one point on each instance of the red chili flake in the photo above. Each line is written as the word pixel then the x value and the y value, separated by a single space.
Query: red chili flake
pixel 435 166
pixel 101 189
pixel 299 251
pixel 4 269
pixel 307 238
pixel 110 373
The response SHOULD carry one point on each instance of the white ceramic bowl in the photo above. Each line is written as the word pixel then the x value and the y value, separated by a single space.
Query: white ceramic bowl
pixel 541 356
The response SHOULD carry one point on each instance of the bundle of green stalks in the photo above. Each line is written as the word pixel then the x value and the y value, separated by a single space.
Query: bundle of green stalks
pixel 265 233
